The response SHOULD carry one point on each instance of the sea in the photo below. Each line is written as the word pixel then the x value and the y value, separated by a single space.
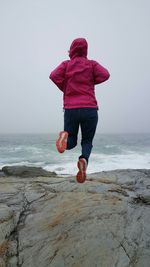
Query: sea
pixel 110 152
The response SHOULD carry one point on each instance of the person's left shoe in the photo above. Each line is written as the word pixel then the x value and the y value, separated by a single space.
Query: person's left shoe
pixel 61 142
pixel 82 166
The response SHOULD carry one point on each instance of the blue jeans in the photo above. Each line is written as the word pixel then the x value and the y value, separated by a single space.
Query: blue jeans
pixel 87 119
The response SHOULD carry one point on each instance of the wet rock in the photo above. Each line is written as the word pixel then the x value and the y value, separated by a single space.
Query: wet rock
pixel 25 171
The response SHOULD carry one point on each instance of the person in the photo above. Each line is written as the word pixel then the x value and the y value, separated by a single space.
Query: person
pixel 77 78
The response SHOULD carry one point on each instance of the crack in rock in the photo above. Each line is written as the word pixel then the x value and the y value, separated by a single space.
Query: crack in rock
pixel 14 235
pixel 53 256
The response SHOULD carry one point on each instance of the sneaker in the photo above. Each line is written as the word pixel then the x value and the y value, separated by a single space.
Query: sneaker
pixel 61 142
pixel 82 166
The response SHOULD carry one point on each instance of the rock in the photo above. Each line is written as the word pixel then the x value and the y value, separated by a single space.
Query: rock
pixel 6 227
pixel 2 174
pixel 25 171
pixel 53 221
pixel 143 199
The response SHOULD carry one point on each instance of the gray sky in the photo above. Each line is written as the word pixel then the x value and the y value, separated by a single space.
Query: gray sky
pixel 35 37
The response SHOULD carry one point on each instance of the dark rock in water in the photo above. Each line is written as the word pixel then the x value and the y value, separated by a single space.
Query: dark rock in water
pixel 25 171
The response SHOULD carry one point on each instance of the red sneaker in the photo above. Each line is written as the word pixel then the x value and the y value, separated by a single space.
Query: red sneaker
pixel 61 142
pixel 82 166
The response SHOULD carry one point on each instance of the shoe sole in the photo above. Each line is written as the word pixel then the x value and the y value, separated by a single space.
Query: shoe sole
pixel 61 142
pixel 81 175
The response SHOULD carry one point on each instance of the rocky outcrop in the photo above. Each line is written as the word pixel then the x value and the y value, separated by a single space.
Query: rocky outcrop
pixel 25 171
pixel 53 221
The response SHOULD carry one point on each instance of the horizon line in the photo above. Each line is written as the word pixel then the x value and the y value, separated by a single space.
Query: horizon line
pixel 36 133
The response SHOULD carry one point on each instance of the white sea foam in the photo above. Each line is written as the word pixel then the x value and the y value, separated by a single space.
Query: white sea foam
pixel 125 161
pixel 66 165
pixel 102 162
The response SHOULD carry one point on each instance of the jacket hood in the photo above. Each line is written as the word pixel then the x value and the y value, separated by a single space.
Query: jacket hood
pixel 79 48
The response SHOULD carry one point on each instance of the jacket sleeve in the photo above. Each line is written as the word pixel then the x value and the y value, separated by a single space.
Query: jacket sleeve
pixel 58 75
pixel 100 73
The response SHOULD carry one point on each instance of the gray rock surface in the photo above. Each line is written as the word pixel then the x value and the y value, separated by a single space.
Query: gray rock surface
pixel 53 221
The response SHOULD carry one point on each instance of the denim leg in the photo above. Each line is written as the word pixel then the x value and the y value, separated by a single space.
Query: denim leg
pixel 71 125
pixel 88 128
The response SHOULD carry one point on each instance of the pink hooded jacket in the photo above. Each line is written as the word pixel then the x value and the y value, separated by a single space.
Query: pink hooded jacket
pixel 76 77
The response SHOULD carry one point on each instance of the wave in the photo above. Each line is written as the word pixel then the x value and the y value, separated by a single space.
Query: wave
pixel 102 162
pixel 109 153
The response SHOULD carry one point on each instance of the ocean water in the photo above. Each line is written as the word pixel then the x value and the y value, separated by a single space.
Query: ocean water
pixel 112 151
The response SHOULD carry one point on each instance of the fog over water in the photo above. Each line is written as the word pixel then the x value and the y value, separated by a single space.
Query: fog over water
pixel 35 38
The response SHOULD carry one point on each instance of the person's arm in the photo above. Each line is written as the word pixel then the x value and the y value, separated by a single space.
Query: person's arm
pixel 58 75
pixel 100 73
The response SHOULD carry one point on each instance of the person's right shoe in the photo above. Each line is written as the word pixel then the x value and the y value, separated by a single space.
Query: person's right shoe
pixel 82 166
pixel 61 142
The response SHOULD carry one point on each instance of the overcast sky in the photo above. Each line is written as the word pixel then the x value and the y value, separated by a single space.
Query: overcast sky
pixel 35 36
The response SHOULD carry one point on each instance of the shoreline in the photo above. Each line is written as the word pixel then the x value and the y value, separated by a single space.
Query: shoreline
pixel 34 171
